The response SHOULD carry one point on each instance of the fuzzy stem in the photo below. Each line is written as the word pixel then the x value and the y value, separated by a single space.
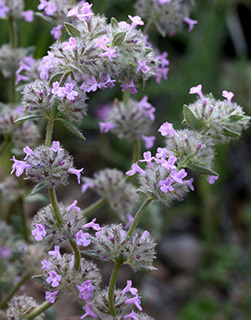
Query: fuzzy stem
pixel 13 44
pixel 112 284
pixel 77 256
pixel 13 290
pixel 25 227
pixel 49 132
pixel 136 150
pixel 38 310
pixel 93 207
pixel 126 96
pixel 55 207
pixel 141 210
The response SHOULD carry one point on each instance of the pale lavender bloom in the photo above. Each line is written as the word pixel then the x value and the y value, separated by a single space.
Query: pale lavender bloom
pixel 228 95
pixel 110 53
pixel 56 32
pixel 161 153
pixel 92 225
pixel 70 45
pixel 147 158
pixel 89 84
pixel 51 296
pixel 160 73
pixel 50 8
pixel 102 112
pixel 28 15
pixel 27 150
pixel 73 12
pixel 164 1
pixel 106 126
pixel 88 311
pixel 135 300
pixel 198 91
pixel 212 179
pixel 48 63
pixel 107 83
pixel 191 23
pixel 54 278
pixel 42 5
pixel 86 186
pixel 165 185
pixel 86 12
pixel 19 166
pixel 5 252
pixel 149 141
pixel 86 290
pixel 73 207
pixel 3 9
pixel 129 86
pixel 77 172
pixel 168 164
pixel 55 87
pixel 132 315
pixel 135 169
pixel 68 92
pixel 45 265
pixel 129 288
pixel 55 252
pixel 145 235
pixel 101 43
pixel 56 146
pixel 190 184
pixel 162 58
pixel 82 238
pixel 135 21
pixel 39 232
pixel 130 220
pixel 144 104
pixel 178 176
pixel 143 67
pixel 167 130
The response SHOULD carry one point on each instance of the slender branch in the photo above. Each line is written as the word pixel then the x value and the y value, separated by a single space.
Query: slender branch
pixel 141 210
pixel 25 227
pixel 136 150
pixel 55 207
pixel 76 252
pixel 112 284
pixel 49 132
pixel 3 146
pixel 126 96
pixel 38 310
pixel 13 290
pixel 93 207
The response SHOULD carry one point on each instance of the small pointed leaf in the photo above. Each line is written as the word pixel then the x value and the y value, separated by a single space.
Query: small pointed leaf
pixel 73 31
pixel 56 77
pixel 230 133
pixel 118 38
pixel 191 118
pixel 114 23
pixel 39 278
pixel 202 170
pixel 30 117
pixel 72 128
pixel 38 187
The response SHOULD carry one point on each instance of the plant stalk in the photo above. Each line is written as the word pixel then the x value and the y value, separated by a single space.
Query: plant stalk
pixel 38 310
pixel 112 284
pixel 136 150
pixel 93 207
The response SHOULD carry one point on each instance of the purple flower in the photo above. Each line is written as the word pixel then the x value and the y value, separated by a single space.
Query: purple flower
pixel 164 1
pixel 73 207
pixel 3 9
pixel 45 265
pixel 160 73
pixel 198 91
pixel 110 53
pixel 129 86
pixel 56 32
pixel 82 238
pixel 165 185
pixel 135 169
pixel 135 21
pixel 143 67
pixel 92 225
pixel 107 83
pixel 178 176
pixel 130 220
pixel 56 146
pixel 51 296
pixel 73 12
pixel 161 153
pixel 135 300
pixel 42 5
pixel 54 278
pixel 39 232
pixel 77 172
pixel 68 92
pixel 69 45
pixel 132 315
pixel 55 252
pixel 148 158
pixel 86 12
pixel 86 186
pixel 149 141
pixel 27 150
pixel 106 126
pixel 50 8
pixel 101 43
pixel 212 179
pixel 19 166
pixel 89 84
pixel 88 311
pixel 167 130
pixel 5 252
pixel 168 164
pixel 191 23
pixel 28 15
pixel 228 95
pixel 86 290
pixel 129 288
pixel 190 184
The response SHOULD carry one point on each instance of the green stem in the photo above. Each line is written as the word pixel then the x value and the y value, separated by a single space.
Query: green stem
pixel 93 207
pixel 147 26
pixel 38 310
pixel 49 132
pixel 3 146
pixel 141 210
pixel 112 284
pixel 136 150
pixel 126 96
pixel 25 228
pixel 13 44
pixel 4 304
pixel 76 252
pixel 55 207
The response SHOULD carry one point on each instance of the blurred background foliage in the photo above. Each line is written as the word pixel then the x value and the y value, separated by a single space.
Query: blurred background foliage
pixel 204 261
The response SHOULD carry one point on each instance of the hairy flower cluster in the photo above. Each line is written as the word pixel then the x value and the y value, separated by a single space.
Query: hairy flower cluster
pixel 110 184
pixel 10 59
pixel 22 134
pixel 39 97
pixel 112 243
pixel 30 256
pixel 131 120
pixel 222 121
pixel 59 274
pixel 20 306
pixel 169 16
pixel 28 70
pixel 50 166
pixel 10 189
pixel 13 8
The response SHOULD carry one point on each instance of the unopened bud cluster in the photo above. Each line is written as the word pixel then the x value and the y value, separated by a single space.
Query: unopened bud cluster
pixel 20 306
pixel 10 59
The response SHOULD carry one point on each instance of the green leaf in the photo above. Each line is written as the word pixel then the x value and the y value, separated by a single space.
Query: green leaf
pixel 238 117
pixel 73 31
pixel 72 128
pixel 118 38
pixel 230 133
pixel 160 29
pixel 148 50
pixel 191 118
pixel 114 23
pixel 39 278
pixel 202 170
pixel 38 187
pixel 30 117
pixel 56 77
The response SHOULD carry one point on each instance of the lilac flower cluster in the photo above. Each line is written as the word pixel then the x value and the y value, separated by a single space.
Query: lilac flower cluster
pixel 15 9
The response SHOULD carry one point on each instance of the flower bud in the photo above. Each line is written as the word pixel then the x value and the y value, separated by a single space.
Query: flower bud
pixel 20 306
